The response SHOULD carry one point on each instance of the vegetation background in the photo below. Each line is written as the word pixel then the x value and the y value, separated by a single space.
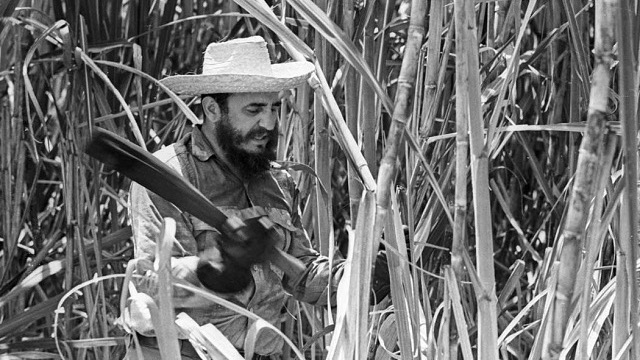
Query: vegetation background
pixel 490 146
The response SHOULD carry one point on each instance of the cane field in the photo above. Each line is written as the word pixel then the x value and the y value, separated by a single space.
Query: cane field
pixel 490 146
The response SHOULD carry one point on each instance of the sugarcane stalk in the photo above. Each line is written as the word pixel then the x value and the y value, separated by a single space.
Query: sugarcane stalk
pixel 583 189
pixel 368 114
pixel 351 105
pixel 5 173
pixel 628 91
pixel 431 90
pixel 467 49
pixel 402 109
pixel 401 114
pixel 322 146
pixel 462 156
pixel 593 248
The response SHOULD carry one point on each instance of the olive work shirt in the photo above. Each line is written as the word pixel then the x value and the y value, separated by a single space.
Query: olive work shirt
pixel 270 194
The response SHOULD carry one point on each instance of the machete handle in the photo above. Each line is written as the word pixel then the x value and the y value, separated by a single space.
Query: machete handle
pixel 240 231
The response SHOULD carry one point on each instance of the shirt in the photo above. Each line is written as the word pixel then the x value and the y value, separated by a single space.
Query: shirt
pixel 271 194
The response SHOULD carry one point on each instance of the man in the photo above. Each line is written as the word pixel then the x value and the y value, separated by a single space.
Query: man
pixel 228 158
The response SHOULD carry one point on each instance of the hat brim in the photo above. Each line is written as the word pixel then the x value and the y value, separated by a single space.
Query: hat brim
pixel 284 76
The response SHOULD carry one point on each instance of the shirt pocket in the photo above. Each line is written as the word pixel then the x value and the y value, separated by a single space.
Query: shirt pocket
pixel 283 225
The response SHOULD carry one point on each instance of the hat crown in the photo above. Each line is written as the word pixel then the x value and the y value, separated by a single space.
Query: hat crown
pixel 239 56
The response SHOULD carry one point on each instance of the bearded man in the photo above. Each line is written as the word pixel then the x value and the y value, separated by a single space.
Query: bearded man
pixel 228 157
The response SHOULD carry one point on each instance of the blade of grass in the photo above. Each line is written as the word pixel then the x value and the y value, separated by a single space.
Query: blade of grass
pixel 29 316
pixel 132 122
pixel 163 39
pixel 217 345
pixel 211 297
pixel 353 291
pixel 403 295
pixel 177 99
pixel 510 74
pixel 577 42
pixel 39 274
pixel 538 344
pixel 598 313
pixel 499 190
pixel 166 332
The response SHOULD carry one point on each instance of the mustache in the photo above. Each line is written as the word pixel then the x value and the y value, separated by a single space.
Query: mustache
pixel 259 131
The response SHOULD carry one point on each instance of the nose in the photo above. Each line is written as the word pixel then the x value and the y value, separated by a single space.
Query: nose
pixel 268 119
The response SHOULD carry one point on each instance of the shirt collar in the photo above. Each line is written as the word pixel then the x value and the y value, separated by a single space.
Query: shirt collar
pixel 200 147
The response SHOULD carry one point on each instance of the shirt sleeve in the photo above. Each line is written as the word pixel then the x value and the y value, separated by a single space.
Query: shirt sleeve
pixel 146 212
pixel 319 283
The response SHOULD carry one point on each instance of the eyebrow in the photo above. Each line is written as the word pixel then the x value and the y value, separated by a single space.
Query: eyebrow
pixel 264 104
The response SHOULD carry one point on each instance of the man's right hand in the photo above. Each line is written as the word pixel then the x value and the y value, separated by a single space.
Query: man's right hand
pixel 221 273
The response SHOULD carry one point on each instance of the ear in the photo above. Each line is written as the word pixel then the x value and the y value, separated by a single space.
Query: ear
pixel 211 109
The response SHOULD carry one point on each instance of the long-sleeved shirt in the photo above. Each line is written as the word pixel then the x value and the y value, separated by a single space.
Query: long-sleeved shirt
pixel 271 194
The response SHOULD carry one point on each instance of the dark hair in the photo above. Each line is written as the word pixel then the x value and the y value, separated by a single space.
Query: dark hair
pixel 220 99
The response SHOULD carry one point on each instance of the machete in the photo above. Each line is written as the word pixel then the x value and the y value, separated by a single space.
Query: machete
pixel 144 168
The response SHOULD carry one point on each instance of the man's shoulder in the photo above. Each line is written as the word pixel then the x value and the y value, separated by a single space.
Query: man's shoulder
pixel 169 156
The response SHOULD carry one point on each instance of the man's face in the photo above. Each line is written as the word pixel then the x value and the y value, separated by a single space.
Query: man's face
pixel 248 131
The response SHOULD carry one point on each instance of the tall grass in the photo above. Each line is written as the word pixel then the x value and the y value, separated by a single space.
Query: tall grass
pixel 476 125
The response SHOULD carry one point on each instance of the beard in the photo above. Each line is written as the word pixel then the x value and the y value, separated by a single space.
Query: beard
pixel 249 163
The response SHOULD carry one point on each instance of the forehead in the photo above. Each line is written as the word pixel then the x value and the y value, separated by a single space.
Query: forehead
pixel 244 99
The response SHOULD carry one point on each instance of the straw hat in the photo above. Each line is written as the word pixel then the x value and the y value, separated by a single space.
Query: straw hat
pixel 240 65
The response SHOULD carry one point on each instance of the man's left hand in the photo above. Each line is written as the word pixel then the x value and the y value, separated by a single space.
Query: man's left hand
pixel 252 248
pixel 184 268
pixel 221 273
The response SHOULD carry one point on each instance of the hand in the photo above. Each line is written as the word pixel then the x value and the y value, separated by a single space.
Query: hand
pixel 250 248
pixel 381 282
pixel 185 268
pixel 226 267
pixel 221 273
